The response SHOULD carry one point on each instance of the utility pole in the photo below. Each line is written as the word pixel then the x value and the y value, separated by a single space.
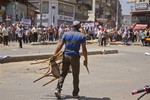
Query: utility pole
pixel 117 14
pixel 93 9
pixel 14 10
pixel 40 12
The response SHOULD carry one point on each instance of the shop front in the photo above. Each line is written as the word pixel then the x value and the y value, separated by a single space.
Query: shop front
pixel 141 17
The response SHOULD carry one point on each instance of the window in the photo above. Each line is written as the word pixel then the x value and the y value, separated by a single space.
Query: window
pixel 108 1
pixel 65 9
pixel 142 0
pixel 45 7
pixel 37 4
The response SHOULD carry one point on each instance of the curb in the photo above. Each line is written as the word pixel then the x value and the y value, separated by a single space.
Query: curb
pixel 121 43
pixel 44 43
pixel 47 55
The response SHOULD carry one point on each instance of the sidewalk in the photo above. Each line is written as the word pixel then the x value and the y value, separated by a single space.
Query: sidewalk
pixel 36 51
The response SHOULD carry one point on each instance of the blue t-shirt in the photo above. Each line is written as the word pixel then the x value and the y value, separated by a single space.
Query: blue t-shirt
pixel 73 40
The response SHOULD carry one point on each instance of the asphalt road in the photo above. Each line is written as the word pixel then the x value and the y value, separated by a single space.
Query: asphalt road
pixel 112 77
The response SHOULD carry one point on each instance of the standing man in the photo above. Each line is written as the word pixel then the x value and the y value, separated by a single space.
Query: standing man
pixel 5 35
pixel 104 36
pixel 1 34
pixel 72 40
pixel 61 31
pixel 19 32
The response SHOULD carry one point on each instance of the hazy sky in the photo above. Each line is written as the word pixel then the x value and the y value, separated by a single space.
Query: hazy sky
pixel 125 7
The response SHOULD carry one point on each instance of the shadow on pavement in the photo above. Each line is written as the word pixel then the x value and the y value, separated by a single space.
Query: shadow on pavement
pixel 68 97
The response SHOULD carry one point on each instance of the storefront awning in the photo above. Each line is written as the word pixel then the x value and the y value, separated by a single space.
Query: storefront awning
pixel 140 26
pixel 132 26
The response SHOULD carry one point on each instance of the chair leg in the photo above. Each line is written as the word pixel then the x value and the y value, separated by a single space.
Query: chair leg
pixel 50 81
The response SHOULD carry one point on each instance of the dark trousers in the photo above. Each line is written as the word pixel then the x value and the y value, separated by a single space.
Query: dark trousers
pixel 103 42
pixel 74 61
pixel 20 42
pixel 143 41
pixel 5 40
pixel 1 38
pixel 35 37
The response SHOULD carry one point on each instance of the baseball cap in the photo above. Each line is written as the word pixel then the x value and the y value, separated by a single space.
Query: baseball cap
pixel 76 23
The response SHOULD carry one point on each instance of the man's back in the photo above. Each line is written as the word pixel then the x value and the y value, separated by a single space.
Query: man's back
pixel 73 40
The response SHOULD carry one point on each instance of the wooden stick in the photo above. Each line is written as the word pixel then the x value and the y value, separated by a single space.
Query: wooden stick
pixel 50 81
pixel 51 58
pixel 43 68
pixel 40 62
pixel 39 79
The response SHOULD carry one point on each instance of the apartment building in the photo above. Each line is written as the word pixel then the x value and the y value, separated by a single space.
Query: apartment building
pixel 57 12
pixel 106 12
pixel 3 10
pixel 13 11
pixel 141 12
pixel 81 10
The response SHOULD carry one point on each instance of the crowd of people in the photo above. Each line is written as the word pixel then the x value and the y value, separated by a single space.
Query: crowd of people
pixel 28 34
pixel 131 35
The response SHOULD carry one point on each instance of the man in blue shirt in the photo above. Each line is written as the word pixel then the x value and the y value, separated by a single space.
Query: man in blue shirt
pixel 72 40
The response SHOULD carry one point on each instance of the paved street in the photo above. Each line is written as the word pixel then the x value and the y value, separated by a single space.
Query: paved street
pixel 112 77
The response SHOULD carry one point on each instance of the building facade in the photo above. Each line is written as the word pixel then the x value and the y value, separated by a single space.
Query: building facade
pixel 57 12
pixel 3 5
pixel 106 12
pixel 81 10
pixel 141 12
pixel 12 11
pixel 126 21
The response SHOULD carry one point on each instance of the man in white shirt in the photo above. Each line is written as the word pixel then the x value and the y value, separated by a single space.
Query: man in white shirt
pixel 5 35
pixel 19 32
pixel 61 31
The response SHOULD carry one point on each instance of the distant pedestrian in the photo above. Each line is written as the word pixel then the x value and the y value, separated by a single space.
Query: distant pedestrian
pixel 104 36
pixel 5 35
pixel 99 35
pixel 19 32
pixel 61 31
pixel 142 37
pixel 1 34
pixel 34 34
pixel 51 33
